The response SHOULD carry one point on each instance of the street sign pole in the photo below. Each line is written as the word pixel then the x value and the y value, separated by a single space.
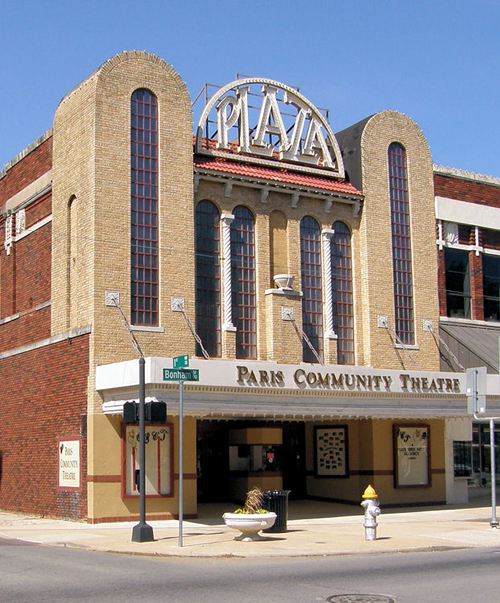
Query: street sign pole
pixel 179 372
pixel 476 389
pixel 181 459
pixel 493 522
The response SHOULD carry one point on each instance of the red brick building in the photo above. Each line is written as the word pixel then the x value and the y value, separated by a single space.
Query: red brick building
pixel 468 242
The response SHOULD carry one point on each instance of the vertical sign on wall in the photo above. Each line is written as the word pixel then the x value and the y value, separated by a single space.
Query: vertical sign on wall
pixel 69 463
pixel 158 460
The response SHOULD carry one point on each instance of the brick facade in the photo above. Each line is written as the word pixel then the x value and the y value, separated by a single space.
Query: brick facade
pixel 31 166
pixel 469 188
pixel 464 189
pixel 25 279
pixel 44 399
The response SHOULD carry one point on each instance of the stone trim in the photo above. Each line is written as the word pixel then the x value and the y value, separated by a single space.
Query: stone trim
pixel 46 342
pixel 465 175
pixel 20 314
pixel 30 193
pixel 33 228
pixel 26 151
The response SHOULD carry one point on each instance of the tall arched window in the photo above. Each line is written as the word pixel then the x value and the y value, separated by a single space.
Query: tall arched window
pixel 401 244
pixel 144 208
pixel 243 282
pixel 208 304
pixel 342 298
pixel 312 305
pixel 72 267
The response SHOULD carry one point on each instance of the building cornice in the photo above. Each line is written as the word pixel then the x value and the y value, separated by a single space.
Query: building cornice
pixel 450 172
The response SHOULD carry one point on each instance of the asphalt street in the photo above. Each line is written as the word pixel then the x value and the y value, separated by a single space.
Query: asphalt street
pixel 37 573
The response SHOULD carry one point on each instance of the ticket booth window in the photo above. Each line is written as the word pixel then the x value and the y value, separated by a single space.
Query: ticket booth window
pixel 158 460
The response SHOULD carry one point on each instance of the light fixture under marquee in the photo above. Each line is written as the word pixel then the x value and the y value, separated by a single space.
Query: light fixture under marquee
pixel 282 127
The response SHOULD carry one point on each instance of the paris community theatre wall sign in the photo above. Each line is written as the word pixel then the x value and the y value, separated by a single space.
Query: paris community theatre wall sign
pixel 348 381
pixel 262 121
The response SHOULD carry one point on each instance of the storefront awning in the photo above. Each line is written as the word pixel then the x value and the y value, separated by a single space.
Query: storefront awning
pixel 472 345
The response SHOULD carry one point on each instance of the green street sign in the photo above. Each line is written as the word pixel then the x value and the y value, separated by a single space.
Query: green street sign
pixel 181 374
pixel 181 361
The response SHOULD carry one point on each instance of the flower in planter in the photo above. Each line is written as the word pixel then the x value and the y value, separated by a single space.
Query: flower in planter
pixel 253 502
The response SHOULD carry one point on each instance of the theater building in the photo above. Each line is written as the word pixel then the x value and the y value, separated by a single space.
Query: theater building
pixel 297 269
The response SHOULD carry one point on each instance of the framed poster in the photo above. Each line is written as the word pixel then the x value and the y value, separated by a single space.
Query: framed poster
pixel 412 455
pixel 331 451
pixel 69 463
pixel 159 460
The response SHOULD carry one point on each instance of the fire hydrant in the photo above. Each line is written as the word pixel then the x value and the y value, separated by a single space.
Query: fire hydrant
pixel 372 511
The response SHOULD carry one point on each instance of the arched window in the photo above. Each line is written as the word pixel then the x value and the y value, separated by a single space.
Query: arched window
pixel 312 305
pixel 208 303
pixel 144 208
pixel 73 269
pixel 342 298
pixel 401 244
pixel 243 282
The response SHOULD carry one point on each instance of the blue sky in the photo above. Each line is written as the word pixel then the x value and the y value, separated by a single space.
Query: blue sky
pixel 436 61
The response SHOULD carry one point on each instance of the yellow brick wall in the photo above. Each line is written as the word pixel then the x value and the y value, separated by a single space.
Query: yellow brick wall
pixel 92 166
pixel 375 243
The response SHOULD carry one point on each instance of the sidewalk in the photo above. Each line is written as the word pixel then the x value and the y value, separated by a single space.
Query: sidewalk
pixel 313 529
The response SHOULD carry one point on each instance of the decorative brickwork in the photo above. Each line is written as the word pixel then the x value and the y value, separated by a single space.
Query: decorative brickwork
pixel 25 272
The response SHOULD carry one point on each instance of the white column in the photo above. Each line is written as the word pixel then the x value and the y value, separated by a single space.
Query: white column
pixel 327 235
pixel 227 323
pixel 8 234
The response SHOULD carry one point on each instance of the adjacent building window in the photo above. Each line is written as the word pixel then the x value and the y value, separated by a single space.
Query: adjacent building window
pixel 401 244
pixel 458 294
pixel 243 282
pixel 208 283
pixel 312 305
pixel 144 209
pixel 491 287
pixel 342 296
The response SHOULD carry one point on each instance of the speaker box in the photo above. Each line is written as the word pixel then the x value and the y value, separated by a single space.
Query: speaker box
pixel 156 412
pixel 130 412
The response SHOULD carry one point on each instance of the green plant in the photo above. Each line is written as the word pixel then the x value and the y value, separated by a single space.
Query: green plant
pixel 253 502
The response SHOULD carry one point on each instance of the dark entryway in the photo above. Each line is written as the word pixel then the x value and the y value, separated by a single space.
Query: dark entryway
pixel 293 461
pixel 212 461
pixel 213 457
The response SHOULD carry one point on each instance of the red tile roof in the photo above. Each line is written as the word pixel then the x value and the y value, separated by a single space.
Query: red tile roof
pixel 275 175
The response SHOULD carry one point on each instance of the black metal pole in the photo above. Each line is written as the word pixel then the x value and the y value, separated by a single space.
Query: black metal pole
pixel 142 532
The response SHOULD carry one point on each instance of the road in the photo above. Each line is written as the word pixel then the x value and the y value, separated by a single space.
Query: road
pixel 34 573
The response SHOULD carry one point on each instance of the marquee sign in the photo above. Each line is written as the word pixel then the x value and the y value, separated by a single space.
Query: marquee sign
pixel 262 121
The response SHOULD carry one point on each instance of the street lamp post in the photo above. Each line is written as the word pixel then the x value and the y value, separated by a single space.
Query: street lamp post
pixel 142 532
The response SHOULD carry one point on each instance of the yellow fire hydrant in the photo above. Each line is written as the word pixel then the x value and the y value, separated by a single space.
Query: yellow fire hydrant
pixel 372 511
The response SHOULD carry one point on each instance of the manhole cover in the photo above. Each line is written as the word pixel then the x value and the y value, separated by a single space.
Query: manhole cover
pixel 361 598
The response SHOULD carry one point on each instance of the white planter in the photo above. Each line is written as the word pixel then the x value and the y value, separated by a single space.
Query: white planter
pixel 249 524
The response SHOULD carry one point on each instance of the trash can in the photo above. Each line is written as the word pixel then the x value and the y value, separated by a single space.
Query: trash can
pixel 277 501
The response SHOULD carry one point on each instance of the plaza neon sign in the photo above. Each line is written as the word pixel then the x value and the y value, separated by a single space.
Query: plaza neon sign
pixel 262 121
